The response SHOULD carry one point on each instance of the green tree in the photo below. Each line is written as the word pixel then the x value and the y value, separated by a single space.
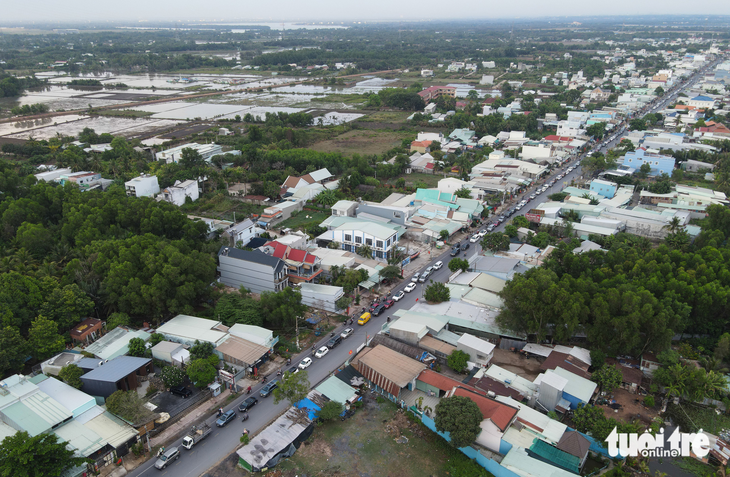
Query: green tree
pixel 590 419
pixel 137 347
pixel 201 372
pixel 437 292
pixel 172 376
pixel 365 251
pixel 67 306
pixel 14 350
pixel 463 193
pixel 343 302
pixel 495 242
pixel 457 360
pixel 201 350
pixel 458 264
pixel 155 339
pixel 330 411
pixel 444 235
pixel 596 130
pixel 461 418
pixel 637 124
pixel 35 238
pixel 281 309
pixel 293 387
pixel 117 319
pixel 722 349
pixel 659 91
pixel 191 158
pixel 521 221
pixel 643 171
pixel 390 272
pixel 22 455
pixel 608 378
pixel 71 375
pixel 128 405
pixel 241 308
pixel 511 231
pixel 44 339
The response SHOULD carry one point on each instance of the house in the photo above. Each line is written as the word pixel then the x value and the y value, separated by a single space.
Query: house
pixel 702 102
pixel 690 165
pixel 52 175
pixel 603 188
pixel 337 390
pixel 345 208
pixel 631 375
pixel 322 297
pixel 180 192
pixel 186 330
pixel 575 444
pixel 255 334
pixel 557 359
pixel 435 92
pixel 426 73
pixel 87 331
pixel 243 354
pixel 659 163
pixel 353 234
pixel 142 186
pixel 301 266
pixel 497 417
pixel 480 352
pixel 599 96
pixel 241 234
pixel 254 270
pixel 123 373
pixel 172 353
pixel 115 343
pixel 649 363
pixel 420 146
pixel 544 452
pixel 577 389
pixel 206 151
pixel 388 371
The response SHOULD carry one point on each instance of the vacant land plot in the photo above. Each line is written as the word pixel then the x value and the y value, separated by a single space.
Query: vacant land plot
pixel 419 179
pixel 377 440
pixel 303 219
pixel 363 142
pixel 220 206
pixel 386 117
pixel 527 368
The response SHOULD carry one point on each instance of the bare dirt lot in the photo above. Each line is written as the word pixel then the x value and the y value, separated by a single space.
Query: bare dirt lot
pixel 630 409
pixel 362 142
pixel 527 368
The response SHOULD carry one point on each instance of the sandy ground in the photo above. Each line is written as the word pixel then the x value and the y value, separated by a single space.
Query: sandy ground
pixel 521 366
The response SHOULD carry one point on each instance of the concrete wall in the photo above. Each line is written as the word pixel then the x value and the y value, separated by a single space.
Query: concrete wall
pixel 254 276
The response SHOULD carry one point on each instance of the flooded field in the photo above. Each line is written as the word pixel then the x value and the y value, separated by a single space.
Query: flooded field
pixel 117 126
pixel 7 129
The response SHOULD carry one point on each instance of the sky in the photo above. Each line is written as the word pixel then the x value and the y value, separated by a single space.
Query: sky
pixel 336 10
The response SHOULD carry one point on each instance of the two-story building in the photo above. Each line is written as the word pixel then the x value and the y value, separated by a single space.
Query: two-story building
pixel 143 186
pixel 206 151
pixel 659 163
pixel 179 193
pixel 301 266
pixel 242 232
pixel 354 234
pixel 254 270
pixel 434 92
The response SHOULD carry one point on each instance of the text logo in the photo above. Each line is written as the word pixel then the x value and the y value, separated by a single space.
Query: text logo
pixel 681 444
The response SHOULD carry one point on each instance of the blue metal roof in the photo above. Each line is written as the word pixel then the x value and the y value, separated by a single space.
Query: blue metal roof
pixel 116 369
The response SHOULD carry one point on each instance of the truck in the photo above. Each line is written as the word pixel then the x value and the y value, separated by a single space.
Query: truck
pixel 196 434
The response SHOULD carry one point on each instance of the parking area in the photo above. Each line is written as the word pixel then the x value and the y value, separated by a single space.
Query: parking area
pixel 173 404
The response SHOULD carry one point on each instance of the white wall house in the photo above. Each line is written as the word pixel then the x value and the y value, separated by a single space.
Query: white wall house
pixel 354 234
pixel 175 154
pixel 142 186
pixel 181 191
pixel 480 352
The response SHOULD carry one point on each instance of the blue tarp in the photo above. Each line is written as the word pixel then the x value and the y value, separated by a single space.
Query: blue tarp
pixel 314 320
pixel 309 406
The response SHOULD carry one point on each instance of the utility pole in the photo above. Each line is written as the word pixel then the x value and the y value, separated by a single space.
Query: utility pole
pixel 296 324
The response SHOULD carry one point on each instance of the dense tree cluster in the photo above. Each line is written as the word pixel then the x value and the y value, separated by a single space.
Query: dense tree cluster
pixel 630 299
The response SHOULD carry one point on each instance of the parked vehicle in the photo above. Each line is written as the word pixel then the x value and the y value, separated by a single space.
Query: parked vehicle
pixel 438 265
pixel 364 318
pixel 398 296
pixel 424 277
pixel 181 391
pixel 388 303
pixel 321 352
pixel 409 288
pixel 454 252
pixel 247 404
pixel 415 276
pixel 196 434
pixel 346 333
pixel 227 417
pixel 474 238
pixel 334 341
pixel 465 246
pixel 170 455
pixel 268 389
pixel 378 310
pixel 305 363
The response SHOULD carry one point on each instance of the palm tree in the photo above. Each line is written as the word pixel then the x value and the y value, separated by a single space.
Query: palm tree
pixel 673 226
pixel 713 364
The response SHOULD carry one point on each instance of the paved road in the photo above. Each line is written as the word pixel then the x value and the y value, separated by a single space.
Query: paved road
pixel 222 442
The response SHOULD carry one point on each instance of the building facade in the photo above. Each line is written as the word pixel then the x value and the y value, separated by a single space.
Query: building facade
pixel 254 270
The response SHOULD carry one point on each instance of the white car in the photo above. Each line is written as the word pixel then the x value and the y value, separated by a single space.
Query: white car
pixel 346 333
pixel 410 287
pixel 305 363
pixel 321 352
pixel 438 265
pixel 398 296
pixel 414 278
pixel 474 238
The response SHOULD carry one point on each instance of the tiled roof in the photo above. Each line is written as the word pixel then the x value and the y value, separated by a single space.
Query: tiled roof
pixel 500 414
pixel 575 444
pixel 565 361
pixel 437 380
pixel 489 384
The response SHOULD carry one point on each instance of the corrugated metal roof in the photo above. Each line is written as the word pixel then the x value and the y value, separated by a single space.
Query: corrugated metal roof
pixel 193 328
pixel 488 282
pixel 336 390
pixel 115 343
pixel 81 438
pixel 517 460
pixel 112 429
pixel 390 364
pixel 68 396
pixel 579 387
pixel 116 369
pixel 555 456
pixel 476 343
pixel 242 350
pixel 37 413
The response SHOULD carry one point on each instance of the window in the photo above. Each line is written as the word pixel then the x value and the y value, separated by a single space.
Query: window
pixel 656 163
pixel 369 242
pixel 379 243
pixel 379 254
pixel 348 238
pixel 358 239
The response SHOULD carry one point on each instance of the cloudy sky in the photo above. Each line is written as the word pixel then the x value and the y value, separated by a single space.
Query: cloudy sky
pixel 340 10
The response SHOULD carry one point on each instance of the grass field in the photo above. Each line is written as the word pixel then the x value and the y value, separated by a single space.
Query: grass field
pixel 431 180
pixel 363 142
pixel 366 445
pixel 303 218
pixel 386 117
pixel 219 206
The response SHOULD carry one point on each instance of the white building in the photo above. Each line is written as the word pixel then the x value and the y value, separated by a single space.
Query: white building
pixel 178 193
pixel 175 154
pixel 480 352
pixel 49 176
pixel 356 233
pixel 143 186
pixel 322 297
pixel 241 232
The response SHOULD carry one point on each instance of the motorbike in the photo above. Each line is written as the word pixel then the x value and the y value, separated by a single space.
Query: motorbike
pixel 263 380
pixel 248 391
pixel 244 417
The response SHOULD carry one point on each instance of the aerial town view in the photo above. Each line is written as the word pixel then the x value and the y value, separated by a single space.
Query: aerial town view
pixel 402 239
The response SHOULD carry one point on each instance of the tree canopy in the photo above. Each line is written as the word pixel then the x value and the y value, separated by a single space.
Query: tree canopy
pixel 460 417
pixel 22 455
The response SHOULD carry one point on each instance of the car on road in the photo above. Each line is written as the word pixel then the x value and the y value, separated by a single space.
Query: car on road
pixel 399 295
pixel 465 246
pixel 170 455
pixel 269 388
pixel 424 276
pixel 181 391
pixel 247 404
pixel 305 363
pixel 490 227
pixel 334 341
pixel 415 276
pixel 518 206
pixel 532 197
pixel 364 318
pixel 343 335
pixel 389 303
pixel 378 309
pixel 429 270
pixel 502 218
pixel 438 265
pixel 410 287
pixel 454 252
pixel 322 352
pixel 225 418
pixel 474 238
